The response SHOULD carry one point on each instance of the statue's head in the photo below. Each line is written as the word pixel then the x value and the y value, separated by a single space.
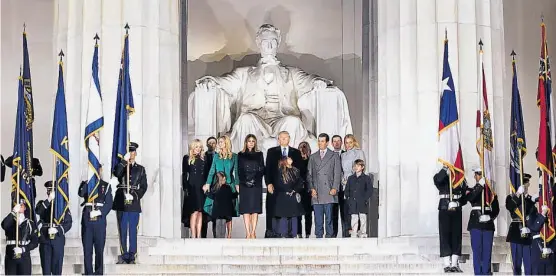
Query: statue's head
pixel 268 39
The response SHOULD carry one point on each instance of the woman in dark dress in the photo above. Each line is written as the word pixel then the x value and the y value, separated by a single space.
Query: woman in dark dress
pixel 288 187
pixel 193 178
pixel 251 171
pixel 305 149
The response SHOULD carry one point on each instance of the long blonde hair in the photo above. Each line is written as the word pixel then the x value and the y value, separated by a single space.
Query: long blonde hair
pixel 192 145
pixel 225 153
pixel 355 142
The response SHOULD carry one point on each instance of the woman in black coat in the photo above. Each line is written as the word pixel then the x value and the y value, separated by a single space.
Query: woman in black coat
pixel 193 178
pixel 251 172
pixel 305 150
pixel 287 188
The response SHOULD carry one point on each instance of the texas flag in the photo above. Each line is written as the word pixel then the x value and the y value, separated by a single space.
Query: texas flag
pixel 448 128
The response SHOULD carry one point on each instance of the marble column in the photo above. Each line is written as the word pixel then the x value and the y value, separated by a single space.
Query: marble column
pixel 155 126
pixel 410 51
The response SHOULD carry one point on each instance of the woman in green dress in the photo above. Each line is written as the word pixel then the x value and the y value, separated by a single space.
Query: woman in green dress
pixel 224 161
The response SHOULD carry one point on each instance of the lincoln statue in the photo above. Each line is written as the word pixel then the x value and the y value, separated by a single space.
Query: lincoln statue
pixel 270 97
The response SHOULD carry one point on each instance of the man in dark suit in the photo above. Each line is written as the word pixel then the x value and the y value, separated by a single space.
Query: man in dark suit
pixel 340 207
pixel 273 156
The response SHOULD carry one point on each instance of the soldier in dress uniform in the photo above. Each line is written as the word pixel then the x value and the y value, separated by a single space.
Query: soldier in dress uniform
pixel 17 259
pixel 481 225
pixel 449 220
pixel 36 169
pixel 519 235
pixel 93 224
pixel 52 236
pixel 128 205
pixel 542 258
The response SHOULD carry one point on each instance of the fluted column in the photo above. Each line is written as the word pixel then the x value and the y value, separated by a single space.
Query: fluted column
pixel 410 35
pixel 155 126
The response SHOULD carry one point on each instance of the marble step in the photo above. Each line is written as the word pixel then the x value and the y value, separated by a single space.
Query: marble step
pixel 277 260
pixel 109 251
pixel 255 269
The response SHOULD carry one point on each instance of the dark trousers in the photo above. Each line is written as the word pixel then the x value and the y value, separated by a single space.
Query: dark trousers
pixel 335 219
pixel 287 227
pixel 323 211
pixel 540 265
pixel 21 266
pixel 481 244
pixel 128 223
pixel 449 226
pixel 204 226
pixel 52 256
pixel 93 237
pixel 521 254
pixel 345 217
pixel 308 224
pixel 270 220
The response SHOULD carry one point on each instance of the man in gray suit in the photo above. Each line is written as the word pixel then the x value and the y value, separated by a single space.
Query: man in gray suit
pixel 324 175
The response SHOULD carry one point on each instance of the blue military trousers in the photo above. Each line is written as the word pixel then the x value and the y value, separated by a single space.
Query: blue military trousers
pixel 52 256
pixel 128 223
pixel 93 237
pixel 521 254
pixel 481 244
pixel 541 266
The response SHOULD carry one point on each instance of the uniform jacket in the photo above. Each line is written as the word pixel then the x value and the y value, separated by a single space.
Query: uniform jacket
pixel 323 175
pixel 535 222
pixel 358 191
pixel 474 197
pixel 442 182
pixel 27 234
pixel 138 188
pixel 104 197
pixel 288 206
pixel 43 210
pixel 513 205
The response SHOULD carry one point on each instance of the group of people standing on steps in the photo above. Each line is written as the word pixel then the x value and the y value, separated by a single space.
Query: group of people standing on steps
pixel 219 185
pixel 529 254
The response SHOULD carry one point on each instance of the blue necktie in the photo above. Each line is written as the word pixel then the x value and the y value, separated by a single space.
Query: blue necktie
pixel 284 152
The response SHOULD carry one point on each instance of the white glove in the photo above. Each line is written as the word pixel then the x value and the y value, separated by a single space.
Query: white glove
pixel 128 197
pixel 484 218
pixel 95 213
pixel 127 156
pixel 16 208
pixel 544 210
pixel 52 231
pixel 51 196
pixel 546 251
pixel 525 231
pixel 534 198
pixel 482 182
pixel 21 218
pixel 453 205
pixel 18 250
pixel 520 190
pixel 114 181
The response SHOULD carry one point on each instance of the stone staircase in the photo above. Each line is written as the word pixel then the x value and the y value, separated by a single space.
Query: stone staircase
pixel 393 256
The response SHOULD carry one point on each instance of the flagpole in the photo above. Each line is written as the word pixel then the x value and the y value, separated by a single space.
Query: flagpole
pixel 127 116
pixel 521 185
pixel 481 135
pixel 17 256
pixel 544 201
pixel 53 191
pixel 449 169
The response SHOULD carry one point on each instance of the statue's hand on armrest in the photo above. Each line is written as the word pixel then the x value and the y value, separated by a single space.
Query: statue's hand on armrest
pixel 206 83
pixel 321 83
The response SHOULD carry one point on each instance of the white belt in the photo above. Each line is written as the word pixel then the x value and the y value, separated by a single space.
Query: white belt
pixel 448 196
pixel 479 208
pixel 20 243
pixel 94 204
pixel 537 236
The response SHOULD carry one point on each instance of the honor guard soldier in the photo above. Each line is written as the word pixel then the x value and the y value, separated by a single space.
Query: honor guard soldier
pixel 93 224
pixel 481 224
pixel 127 202
pixel 17 260
pixel 542 258
pixel 52 236
pixel 519 205
pixel 449 219
pixel 36 171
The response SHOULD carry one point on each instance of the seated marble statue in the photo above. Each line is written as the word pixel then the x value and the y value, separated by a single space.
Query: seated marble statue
pixel 270 97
